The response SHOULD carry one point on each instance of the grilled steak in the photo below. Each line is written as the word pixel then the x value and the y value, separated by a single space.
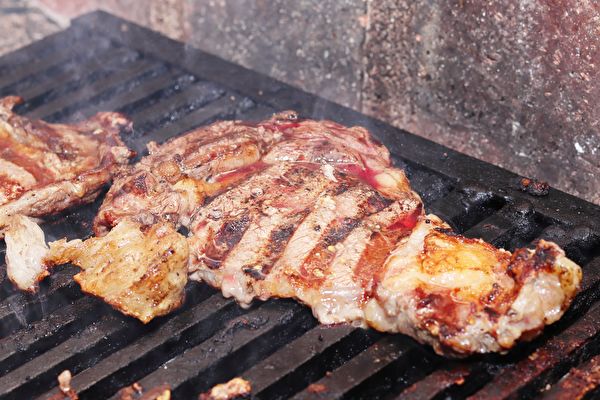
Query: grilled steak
pixel 46 168
pixel 138 270
pixel 315 211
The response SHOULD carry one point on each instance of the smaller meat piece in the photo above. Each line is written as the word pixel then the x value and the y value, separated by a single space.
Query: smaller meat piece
pixel 317 388
pixel 66 392
pixel 139 270
pixel 237 388
pixel 25 249
pixel 137 392
pixel 47 168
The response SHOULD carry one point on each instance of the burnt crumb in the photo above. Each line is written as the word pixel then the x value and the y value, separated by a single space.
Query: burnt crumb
pixel 237 388
pixel 288 115
pixel 254 272
pixel 534 187
pixel 317 388
pixel 446 231
pixel 137 392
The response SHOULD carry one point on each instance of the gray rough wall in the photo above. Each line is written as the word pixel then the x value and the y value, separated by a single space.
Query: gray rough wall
pixel 512 82
pixel 313 44
pixel 22 24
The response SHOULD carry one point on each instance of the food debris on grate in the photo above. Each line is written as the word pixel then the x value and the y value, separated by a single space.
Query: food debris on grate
pixel 137 392
pixel 534 187
pixel 66 392
pixel 236 389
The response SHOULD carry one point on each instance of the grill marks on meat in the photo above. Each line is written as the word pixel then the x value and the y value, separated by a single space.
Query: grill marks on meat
pixel 224 240
pixel 46 168
pixel 137 269
pixel 180 175
pixel 462 295
pixel 315 211
pixel 284 195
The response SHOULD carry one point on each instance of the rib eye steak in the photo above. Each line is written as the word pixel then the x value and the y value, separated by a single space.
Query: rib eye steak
pixel 315 211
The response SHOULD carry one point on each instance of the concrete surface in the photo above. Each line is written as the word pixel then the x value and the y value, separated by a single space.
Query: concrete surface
pixel 23 23
pixel 512 82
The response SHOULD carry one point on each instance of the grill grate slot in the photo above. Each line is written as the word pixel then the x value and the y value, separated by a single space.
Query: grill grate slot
pixel 80 59
pixel 24 345
pixel 464 208
pixel 166 89
pixel 181 104
pixel 243 342
pixel 156 347
pixel 76 353
pixel 291 357
pixel 45 94
pixel 348 380
pixel 171 86
pixel 335 348
pixel 226 107
pixel 21 309
pixel 54 56
pixel 117 82
pixel 579 383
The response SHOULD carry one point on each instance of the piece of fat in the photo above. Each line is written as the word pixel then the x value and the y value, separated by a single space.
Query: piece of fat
pixel 25 249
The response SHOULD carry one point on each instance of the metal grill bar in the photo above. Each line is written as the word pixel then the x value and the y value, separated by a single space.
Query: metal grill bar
pixel 244 341
pixel 580 382
pixel 293 356
pixel 24 345
pixel 342 381
pixel 166 89
pixel 307 359
pixel 119 81
pixel 61 73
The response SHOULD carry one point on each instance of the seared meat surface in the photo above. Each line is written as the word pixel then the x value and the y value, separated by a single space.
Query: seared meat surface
pixel 25 251
pixel 46 168
pixel 315 211
pixel 139 270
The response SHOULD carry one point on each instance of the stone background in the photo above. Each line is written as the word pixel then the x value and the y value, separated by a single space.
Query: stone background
pixel 512 82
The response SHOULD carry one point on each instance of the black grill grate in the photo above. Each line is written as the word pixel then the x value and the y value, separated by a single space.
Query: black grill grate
pixel 104 63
